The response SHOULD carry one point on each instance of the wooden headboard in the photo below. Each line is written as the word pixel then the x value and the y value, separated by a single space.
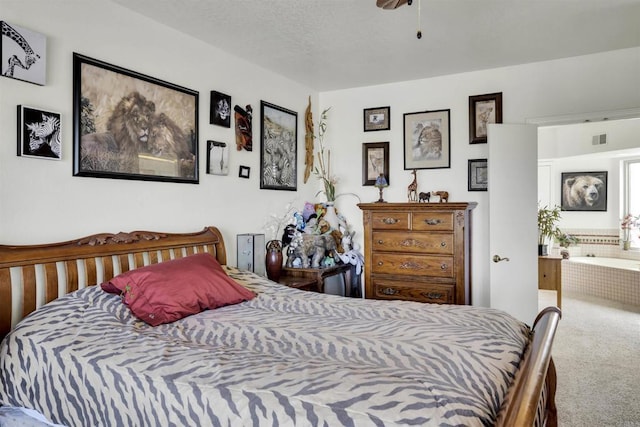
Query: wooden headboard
pixel 33 275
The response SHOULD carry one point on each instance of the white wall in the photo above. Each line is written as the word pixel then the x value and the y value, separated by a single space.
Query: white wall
pixel 41 201
pixel 602 82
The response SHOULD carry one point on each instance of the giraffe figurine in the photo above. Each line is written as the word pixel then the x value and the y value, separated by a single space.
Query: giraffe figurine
pixel 412 189
pixel 30 56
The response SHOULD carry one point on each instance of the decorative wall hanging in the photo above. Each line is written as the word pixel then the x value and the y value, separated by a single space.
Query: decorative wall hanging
pixel 127 125
pixel 244 132
pixel 278 147
pixel 23 53
pixel 477 175
pixel 427 144
pixel 244 172
pixel 39 133
pixel 220 111
pixel 584 191
pixel 375 161
pixel 217 158
pixel 377 119
pixel 483 110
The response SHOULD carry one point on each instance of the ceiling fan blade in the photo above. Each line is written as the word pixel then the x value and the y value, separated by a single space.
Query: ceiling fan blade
pixel 391 4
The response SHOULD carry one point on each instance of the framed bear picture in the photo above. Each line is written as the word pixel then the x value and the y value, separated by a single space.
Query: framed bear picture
pixel 584 191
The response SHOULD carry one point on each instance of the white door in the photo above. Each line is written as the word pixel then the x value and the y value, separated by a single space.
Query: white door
pixel 513 224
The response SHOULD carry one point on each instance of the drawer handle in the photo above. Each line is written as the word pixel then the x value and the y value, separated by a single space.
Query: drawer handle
pixel 380 241
pixel 443 266
pixel 389 291
pixel 435 295
pixel 443 244
pixel 380 263
pixel 390 221
pixel 433 221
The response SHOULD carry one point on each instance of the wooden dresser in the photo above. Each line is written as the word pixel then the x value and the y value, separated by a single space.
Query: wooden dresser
pixel 418 251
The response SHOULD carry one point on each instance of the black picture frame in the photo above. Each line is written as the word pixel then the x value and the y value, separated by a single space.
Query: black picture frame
pixel 427 141
pixel 478 175
pixel 244 172
pixel 217 158
pixel 220 109
pixel 378 118
pixel 375 161
pixel 278 147
pixel 127 125
pixel 584 191
pixel 39 133
pixel 483 110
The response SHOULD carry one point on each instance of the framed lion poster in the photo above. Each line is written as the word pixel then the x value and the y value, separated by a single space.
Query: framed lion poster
pixel 584 191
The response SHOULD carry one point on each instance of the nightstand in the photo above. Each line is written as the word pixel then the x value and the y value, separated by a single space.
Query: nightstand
pixel 312 279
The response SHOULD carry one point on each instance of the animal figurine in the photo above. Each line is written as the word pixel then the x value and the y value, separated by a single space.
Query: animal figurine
pixel 412 189
pixel 444 195
pixel 424 197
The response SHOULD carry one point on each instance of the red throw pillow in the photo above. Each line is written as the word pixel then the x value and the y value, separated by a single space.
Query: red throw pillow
pixel 170 290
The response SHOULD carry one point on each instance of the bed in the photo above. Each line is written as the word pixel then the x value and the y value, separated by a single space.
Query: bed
pixel 79 356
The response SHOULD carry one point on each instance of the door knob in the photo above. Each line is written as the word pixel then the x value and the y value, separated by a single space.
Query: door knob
pixel 496 258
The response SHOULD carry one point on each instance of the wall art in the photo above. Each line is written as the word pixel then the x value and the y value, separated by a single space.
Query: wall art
pixel 377 119
pixel 477 175
pixel 483 110
pixel 220 109
pixel 427 144
pixel 39 133
pixel 375 161
pixel 217 158
pixel 244 172
pixel 278 147
pixel 23 53
pixel 244 130
pixel 127 125
pixel 584 191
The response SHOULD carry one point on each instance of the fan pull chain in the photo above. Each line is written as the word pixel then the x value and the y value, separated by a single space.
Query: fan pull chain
pixel 419 33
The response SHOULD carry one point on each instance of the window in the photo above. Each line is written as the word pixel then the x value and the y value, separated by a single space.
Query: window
pixel 631 201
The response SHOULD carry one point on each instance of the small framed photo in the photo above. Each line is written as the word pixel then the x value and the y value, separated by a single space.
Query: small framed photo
pixel 23 53
pixel 483 109
pixel 244 172
pixel 217 158
pixel 478 177
pixel 375 161
pixel 278 148
pixel 39 133
pixel 377 119
pixel 584 191
pixel 220 111
pixel 427 143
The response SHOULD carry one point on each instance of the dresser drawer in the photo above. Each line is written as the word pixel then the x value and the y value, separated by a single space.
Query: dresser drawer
pixel 393 241
pixel 432 221
pixel 421 292
pixel 390 220
pixel 413 265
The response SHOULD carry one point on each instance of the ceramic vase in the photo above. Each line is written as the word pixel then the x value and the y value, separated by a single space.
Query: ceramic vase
pixel 273 260
pixel 330 216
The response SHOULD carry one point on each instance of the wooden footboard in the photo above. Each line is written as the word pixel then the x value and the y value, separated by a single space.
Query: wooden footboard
pixel 33 275
pixel 531 400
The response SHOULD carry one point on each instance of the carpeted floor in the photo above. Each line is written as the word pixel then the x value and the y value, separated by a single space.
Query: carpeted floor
pixel 597 357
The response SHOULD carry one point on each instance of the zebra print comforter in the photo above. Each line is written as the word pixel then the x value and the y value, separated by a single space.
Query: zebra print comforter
pixel 285 358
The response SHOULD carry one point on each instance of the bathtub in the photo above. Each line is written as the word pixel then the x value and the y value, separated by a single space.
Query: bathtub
pixel 613 279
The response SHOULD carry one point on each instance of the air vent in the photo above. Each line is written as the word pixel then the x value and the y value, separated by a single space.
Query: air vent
pixel 599 139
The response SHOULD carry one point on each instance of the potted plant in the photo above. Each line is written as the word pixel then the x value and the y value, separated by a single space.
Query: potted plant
pixel 547 227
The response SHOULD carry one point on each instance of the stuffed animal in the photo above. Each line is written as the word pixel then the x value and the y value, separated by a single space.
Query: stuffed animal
pixel 311 249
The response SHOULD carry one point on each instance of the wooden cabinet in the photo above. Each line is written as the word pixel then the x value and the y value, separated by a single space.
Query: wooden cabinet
pixel 312 279
pixel 417 251
pixel 550 276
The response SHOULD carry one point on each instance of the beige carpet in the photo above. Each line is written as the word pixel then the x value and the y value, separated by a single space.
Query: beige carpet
pixel 597 356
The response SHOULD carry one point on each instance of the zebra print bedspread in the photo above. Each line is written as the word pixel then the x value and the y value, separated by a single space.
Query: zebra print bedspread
pixel 285 358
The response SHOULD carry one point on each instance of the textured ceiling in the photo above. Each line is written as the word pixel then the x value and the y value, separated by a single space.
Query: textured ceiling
pixel 337 44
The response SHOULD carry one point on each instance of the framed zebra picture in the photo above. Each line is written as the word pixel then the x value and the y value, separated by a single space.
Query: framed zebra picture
pixel 23 53
pixel 278 147
pixel 39 133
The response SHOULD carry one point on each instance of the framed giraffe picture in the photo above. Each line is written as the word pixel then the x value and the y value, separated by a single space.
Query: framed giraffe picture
pixel 23 53
pixel 39 133
pixel 278 148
